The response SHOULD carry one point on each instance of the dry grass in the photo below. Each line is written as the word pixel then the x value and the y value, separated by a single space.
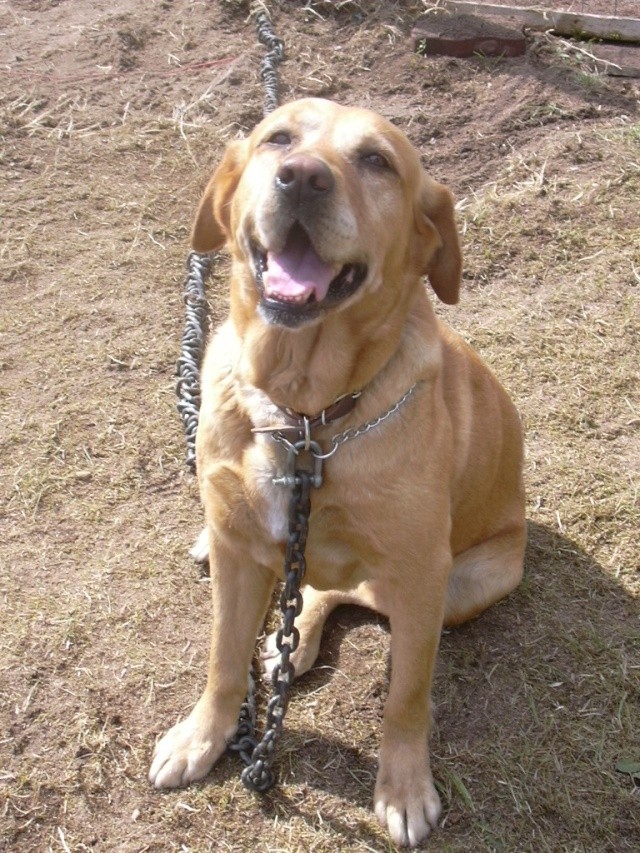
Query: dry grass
pixel 104 632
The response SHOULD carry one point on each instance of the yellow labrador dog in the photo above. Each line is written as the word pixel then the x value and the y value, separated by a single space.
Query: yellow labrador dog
pixel 332 223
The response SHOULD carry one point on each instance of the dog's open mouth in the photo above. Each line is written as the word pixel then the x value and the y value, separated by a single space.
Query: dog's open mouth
pixel 295 285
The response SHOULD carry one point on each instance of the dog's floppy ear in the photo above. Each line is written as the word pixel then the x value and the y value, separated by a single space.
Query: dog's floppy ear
pixel 212 225
pixel 439 252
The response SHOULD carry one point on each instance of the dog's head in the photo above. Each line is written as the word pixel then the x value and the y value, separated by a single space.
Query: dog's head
pixel 324 205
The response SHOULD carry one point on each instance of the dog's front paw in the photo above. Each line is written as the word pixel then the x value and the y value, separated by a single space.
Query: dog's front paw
pixel 187 752
pixel 405 799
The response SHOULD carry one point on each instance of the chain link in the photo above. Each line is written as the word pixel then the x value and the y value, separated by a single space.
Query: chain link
pixel 244 740
pixel 257 774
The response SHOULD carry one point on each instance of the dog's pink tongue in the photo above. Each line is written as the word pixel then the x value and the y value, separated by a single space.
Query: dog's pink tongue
pixel 297 272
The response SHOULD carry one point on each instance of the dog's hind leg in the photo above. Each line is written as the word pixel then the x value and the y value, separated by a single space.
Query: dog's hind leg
pixel 318 604
pixel 199 552
pixel 484 574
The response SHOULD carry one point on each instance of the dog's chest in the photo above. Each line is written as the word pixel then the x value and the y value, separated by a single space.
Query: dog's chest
pixel 265 462
pixel 271 500
pixel 331 539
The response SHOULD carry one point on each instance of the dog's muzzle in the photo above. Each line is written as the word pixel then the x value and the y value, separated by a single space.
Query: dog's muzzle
pixel 295 283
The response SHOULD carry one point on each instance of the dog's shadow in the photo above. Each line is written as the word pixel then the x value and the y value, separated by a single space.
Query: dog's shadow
pixel 552 648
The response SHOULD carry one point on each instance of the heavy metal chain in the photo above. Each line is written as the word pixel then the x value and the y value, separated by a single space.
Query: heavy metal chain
pixel 258 775
pixel 198 266
pixel 270 62
pixel 193 338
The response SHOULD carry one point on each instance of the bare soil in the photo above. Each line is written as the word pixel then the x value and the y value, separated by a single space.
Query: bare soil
pixel 112 115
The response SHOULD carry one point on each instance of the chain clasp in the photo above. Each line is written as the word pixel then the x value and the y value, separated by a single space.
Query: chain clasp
pixel 296 453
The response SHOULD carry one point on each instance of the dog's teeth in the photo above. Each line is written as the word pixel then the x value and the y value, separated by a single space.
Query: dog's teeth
pixel 295 299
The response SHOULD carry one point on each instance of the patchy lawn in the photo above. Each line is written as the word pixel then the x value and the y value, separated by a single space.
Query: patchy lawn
pixel 113 115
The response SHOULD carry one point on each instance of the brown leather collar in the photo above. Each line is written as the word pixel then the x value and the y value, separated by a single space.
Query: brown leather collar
pixel 342 406
pixel 304 423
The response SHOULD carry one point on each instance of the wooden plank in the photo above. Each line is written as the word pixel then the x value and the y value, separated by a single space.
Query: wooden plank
pixel 618 60
pixel 566 23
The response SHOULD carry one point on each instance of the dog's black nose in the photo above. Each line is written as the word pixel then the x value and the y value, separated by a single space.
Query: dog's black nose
pixel 302 178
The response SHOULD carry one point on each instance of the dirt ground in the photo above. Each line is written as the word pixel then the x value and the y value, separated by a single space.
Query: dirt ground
pixel 112 115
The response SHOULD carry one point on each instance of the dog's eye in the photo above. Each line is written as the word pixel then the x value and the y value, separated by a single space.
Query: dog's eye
pixel 374 158
pixel 281 137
